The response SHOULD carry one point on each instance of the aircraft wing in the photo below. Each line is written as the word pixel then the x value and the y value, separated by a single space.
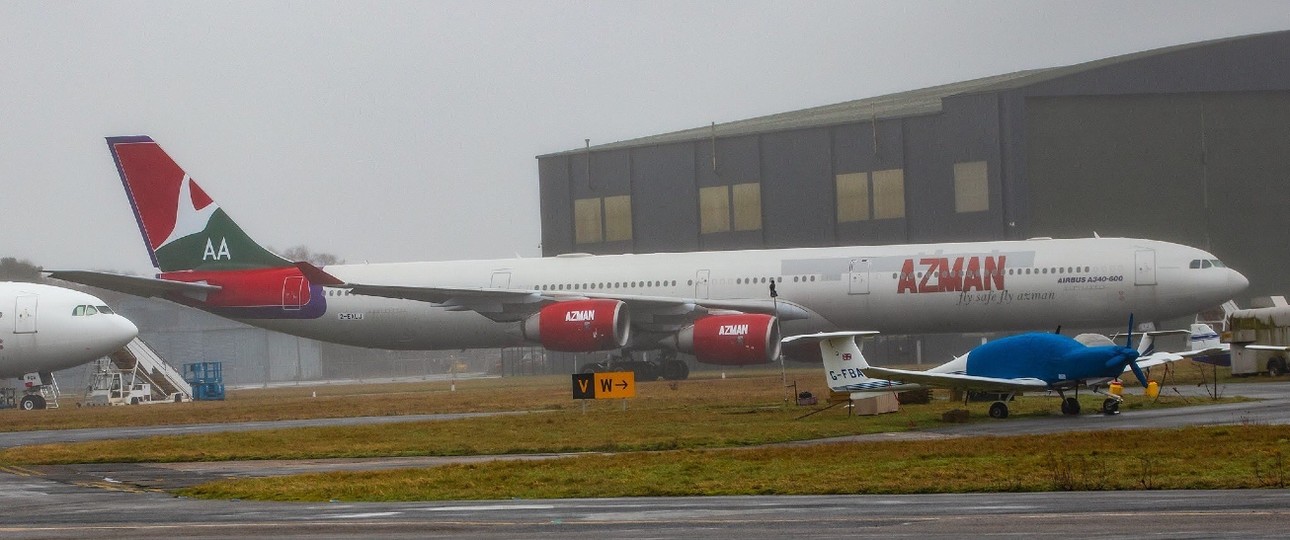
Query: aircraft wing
pixel 518 304
pixel 136 285
pixel 1267 348
pixel 1156 359
pixel 959 381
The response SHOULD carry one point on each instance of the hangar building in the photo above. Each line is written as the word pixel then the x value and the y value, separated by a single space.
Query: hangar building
pixel 1186 143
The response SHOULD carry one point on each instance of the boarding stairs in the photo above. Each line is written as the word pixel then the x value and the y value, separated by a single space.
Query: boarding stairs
pixel 50 392
pixel 138 362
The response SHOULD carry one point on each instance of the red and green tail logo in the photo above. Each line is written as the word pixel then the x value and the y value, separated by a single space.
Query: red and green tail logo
pixel 183 227
pixel 191 239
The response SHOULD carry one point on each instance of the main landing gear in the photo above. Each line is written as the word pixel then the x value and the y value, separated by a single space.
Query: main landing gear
pixel 32 402
pixel 998 409
pixel 1111 405
pixel 669 367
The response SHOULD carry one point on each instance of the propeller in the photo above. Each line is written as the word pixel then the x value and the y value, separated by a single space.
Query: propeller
pixel 1133 360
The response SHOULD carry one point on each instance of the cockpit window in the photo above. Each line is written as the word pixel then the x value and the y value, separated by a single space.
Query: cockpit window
pixel 1207 263
pixel 81 311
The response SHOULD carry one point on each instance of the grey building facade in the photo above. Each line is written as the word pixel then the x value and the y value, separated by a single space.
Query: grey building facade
pixel 1186 144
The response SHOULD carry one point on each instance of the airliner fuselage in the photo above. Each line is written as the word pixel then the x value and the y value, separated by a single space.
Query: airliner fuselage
pixel 930 288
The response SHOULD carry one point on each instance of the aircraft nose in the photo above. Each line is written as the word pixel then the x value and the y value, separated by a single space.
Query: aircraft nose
pixel 1236 282
pixel 124 330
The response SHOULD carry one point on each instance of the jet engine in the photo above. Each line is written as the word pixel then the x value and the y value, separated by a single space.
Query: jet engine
pixel 731 340
pixel 579 326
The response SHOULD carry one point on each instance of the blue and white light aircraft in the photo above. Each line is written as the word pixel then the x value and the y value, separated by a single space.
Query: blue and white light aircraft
pixel 1025 362
pixel 44 329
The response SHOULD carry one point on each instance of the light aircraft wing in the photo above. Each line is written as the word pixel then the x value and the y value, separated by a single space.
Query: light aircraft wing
pixel 136 285
pixel 959 381
pixel 1166 357
pixel 1267 348
pixel 517 304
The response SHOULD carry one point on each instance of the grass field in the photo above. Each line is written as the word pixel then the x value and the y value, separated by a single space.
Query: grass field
pixel 1193 458
pixel 688 437
pixel 743 388
pixel 693 414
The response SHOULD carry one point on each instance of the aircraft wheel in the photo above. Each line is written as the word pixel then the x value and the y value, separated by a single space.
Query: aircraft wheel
pixel 1276 367
pixel 1070 406
pixel 31 403
pixel 645 371
pixel 592 368
pixel 675 370
pixel 1110 406
pixel 999 410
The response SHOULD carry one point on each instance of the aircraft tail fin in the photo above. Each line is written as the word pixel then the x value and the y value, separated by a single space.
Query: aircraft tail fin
pixel 1202 337
pixel 844 362
pixel 182 227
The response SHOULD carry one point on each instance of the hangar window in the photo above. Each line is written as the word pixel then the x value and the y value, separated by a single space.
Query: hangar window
pixel 725 208
pixel 971 187
pixel 853 197
pixel 889 194
pixel 607 219
pixel 618 218
pixel 586 221
pixel 714 209
pixel 747 199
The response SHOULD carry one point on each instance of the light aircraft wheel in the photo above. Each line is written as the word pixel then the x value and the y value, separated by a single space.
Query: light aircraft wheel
pixel 999 410
pixel 675 370
pixel 1276 367
pixel 1111 406
pixel 1070 406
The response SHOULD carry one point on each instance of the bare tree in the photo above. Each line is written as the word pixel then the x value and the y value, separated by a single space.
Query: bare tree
pixel 12 269
pixel 302 253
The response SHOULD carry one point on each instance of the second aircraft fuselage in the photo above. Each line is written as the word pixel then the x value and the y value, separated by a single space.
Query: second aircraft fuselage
pixel 900 289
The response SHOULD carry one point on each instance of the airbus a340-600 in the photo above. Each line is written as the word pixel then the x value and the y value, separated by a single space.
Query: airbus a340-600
pixel 44 329
pixel 714 305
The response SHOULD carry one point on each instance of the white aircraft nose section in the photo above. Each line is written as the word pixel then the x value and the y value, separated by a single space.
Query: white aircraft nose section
pixel 1236 281
pixel 123 331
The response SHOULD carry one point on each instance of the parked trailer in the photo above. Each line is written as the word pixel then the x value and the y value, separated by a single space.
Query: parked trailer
pixel 1260 340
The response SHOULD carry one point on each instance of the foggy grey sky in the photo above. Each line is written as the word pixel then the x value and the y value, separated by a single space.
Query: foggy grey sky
pixel 396 131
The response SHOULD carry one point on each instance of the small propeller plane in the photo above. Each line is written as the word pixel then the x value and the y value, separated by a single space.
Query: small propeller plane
pixel 1020 363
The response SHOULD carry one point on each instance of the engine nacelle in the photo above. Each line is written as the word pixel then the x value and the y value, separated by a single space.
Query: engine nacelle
pixel 731 340
pixel 579 326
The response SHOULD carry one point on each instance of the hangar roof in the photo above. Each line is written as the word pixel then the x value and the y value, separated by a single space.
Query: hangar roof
pixel 919 102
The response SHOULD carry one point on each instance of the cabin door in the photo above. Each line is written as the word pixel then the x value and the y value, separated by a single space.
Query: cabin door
pixel 1144 267
pixel 858 271
pixel 24 310
pixel 293 294
pixel 701 283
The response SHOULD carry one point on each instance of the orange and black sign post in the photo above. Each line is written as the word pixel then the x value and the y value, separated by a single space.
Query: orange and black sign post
pixel 608 385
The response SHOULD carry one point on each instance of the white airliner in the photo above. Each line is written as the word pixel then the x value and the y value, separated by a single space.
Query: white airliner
pixel 44 329
pixel 718 306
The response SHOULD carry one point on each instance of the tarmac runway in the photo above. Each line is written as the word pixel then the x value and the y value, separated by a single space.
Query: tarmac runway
pixel 79 500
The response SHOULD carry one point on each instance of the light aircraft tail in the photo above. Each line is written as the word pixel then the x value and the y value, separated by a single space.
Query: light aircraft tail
pixel 1202 337
pixel 193 242
pixel 844 363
